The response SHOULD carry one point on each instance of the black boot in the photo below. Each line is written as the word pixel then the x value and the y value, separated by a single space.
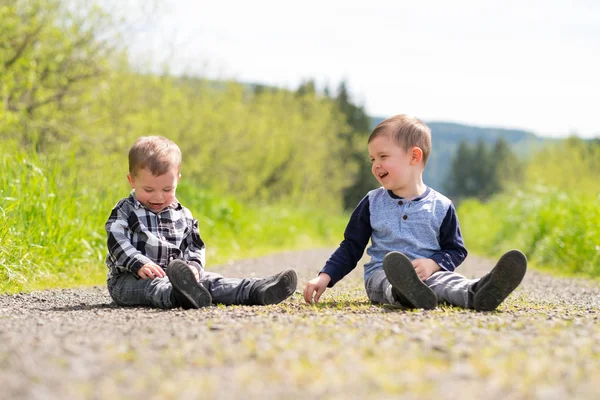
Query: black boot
pixel 407 287
pixel 187 291
pixel 274 289
pixel 495 286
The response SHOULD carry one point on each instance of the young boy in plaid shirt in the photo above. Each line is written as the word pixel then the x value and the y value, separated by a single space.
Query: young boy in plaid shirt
pixel 155 255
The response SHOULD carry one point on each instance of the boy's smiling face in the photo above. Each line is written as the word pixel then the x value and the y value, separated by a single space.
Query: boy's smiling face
pixel 392 166
pixel 155 192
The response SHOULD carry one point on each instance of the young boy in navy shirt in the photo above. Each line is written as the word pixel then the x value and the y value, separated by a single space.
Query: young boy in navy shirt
pixel 416 243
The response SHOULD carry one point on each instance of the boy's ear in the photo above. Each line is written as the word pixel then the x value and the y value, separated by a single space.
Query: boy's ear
pixel 130 179
pixel 416 155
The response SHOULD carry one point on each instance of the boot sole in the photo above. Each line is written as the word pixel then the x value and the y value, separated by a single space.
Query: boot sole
pixel 505 277
pixel 282 287
pixel 401 274
pixel 184 281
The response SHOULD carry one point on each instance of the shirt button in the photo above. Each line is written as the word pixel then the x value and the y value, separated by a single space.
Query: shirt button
pixel 400 202
pixel 405 217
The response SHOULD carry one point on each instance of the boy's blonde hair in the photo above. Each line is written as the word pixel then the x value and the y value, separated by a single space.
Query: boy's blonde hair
pixel 407 132
pixel 156 153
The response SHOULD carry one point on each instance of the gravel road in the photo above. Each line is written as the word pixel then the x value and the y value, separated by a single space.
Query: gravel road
pixel 542 343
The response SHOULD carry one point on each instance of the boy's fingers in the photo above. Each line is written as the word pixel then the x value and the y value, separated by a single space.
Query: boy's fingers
pixel 156 271
pixel 311 297
pixel 308 294
pixel 319 293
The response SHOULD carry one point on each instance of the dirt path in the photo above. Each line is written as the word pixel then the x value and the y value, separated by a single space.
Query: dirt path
pixel 543 343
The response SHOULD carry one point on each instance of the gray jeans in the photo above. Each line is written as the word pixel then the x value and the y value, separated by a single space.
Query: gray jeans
pixel 449 287
pixel 127 290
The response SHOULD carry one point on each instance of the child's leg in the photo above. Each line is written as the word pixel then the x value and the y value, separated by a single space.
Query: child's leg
pixel 452 287
pixel 406 285
pixel 483 294
pixel 187 291
pixel 379 290
pixel 227 291
pixel 398 284
pixel 494 287
pixel 127 290
pixel 250 291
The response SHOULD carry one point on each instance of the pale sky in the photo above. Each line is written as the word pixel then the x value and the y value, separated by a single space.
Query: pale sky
pixel 532 65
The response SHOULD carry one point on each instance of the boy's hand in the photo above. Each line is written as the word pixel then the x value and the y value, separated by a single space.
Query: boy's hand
pixel 316 286
pixel 151 271
pixel 425 267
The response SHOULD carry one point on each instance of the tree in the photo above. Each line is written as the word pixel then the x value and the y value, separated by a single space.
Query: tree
pixel 52 53
pixel 355 138
pixel 461 181
pixel 480 171
pixel 508 168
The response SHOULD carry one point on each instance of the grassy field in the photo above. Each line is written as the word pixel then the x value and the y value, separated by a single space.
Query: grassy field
pixel 54 209
pixel 52 228
pixel 554 217
pixel 559 231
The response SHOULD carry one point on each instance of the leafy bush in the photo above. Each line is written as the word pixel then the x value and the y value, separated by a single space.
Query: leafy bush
pixel 556 230
pixel 53 215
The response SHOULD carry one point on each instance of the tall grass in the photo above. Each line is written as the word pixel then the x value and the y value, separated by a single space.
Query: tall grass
pixel 54 209
pixel 554 218
pixel 558 231
pixel 50 231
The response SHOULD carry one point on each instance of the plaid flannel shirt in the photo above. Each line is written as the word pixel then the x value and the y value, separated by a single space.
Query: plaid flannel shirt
pixel 137 236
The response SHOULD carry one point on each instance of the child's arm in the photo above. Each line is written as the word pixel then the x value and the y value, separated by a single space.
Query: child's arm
pixel 123 251
pixel 452 247
pixel 194 250
pixel 344 259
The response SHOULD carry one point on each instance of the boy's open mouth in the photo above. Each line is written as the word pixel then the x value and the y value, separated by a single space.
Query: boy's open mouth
pixel 383 175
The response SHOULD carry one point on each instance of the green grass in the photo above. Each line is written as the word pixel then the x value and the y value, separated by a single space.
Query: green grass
pixel 233 230
pixel 54 210
pixel 559 231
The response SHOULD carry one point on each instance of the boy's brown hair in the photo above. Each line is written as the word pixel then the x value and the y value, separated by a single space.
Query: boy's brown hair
pixel 156 153
pixel 407 132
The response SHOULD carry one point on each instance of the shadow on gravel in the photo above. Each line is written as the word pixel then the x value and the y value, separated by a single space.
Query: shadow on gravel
pixel 332 304
pixel 81 307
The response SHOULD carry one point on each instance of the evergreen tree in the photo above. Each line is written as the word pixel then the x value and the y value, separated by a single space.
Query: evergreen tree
pixel 306 87
pixel 480 171
pixel 355 138
pixel 461 182
pixel 507 166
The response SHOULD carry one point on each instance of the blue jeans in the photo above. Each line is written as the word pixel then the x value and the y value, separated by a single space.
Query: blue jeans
pixel 127 290
pixel 449 287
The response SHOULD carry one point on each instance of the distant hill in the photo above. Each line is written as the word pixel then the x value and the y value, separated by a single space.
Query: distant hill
pixel 446 137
